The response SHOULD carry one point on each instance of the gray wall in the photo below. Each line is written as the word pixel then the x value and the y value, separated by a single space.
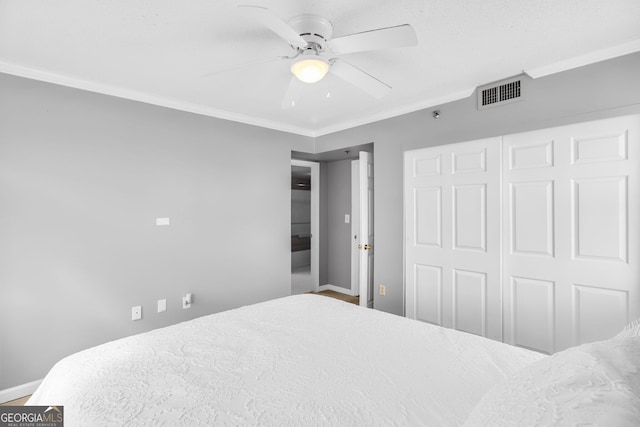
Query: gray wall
pixel 338 203
pixel 600 90
pixel 83 177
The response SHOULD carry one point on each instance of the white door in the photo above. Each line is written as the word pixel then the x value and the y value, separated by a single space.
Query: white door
pixel 571 235
pixel 452 240
pixel 355 227
pixel 366 240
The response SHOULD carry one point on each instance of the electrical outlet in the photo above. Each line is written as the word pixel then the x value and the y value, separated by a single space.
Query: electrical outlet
pixel 382 290
pixel 136 312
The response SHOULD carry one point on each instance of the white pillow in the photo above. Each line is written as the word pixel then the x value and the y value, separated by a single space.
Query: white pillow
pixel 592 384
pixel 631 330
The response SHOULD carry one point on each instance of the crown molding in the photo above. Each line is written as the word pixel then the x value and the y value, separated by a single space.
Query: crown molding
pixel 389 114
pixel 586 59
pixel 147 98
pixel 173 103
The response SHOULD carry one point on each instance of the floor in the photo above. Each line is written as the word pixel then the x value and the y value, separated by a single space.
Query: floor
pixel 338 295
pixel 301 284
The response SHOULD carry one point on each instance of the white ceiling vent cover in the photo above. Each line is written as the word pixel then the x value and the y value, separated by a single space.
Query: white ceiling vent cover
pixel 501 93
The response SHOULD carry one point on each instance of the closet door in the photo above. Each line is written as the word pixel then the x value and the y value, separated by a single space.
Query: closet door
pixel 570 239
pixel 452 241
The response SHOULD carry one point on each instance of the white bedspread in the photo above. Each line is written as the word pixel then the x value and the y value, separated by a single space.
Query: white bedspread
pixel 300 360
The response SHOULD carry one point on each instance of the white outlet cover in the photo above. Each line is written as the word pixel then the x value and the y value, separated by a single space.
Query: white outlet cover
pixel 185 303
pixel 162 305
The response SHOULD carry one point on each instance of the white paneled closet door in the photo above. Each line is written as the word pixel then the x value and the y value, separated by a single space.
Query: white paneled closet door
pixel 571 233
pixel 453 255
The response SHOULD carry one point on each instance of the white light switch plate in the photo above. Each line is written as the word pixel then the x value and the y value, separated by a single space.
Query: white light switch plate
pixel 136 312
pixel 186 303
pixel 347 219
pixel 162 305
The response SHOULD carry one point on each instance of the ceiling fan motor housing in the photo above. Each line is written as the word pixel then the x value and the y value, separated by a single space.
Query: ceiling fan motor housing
pixel 314 29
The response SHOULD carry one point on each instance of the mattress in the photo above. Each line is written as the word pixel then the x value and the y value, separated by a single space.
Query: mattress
pixel 299 360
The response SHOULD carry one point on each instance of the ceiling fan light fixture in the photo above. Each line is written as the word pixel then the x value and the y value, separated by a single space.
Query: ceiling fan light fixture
pixel 310 70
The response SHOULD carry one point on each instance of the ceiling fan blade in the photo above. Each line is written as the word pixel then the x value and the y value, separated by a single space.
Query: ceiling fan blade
pixel 361 79
pixel 245 65
pixel 292 95
pixel 382 38
pixel 268 19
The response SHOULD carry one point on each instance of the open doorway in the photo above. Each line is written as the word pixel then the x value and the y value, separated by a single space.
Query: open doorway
pixel 338 213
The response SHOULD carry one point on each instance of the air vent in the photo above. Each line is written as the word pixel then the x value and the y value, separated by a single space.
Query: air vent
pixel 500 93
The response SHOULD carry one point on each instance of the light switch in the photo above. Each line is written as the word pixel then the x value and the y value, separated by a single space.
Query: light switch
pixel 347 219
pixel 162 305
pixel 162 221
pixel 186 301
pixel 136 312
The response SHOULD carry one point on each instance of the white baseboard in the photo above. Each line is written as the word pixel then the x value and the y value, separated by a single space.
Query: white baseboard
pixel 18 391
pixel 336 289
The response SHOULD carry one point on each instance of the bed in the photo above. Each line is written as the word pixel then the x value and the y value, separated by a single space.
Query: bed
pixel 312 360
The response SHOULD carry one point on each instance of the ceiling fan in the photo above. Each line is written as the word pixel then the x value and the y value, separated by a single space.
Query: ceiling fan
pixel 315 52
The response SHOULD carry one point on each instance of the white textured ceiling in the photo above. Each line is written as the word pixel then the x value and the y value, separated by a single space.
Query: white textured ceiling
pixel 158 51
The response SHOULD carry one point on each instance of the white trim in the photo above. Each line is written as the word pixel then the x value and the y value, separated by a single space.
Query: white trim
pixel 366 174
pixel 586 59
pixel 163 101
pixel 315 218
pixel 405 159
pixel 389 114
pixel 18 391
pixel 148 98
pixel 355 226
pixel 177 104
pixel 337 289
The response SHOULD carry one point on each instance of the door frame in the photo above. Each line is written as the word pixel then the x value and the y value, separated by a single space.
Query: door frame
pixel 355 227
pixel 359 187
pixel 315 218
pixel 366 237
